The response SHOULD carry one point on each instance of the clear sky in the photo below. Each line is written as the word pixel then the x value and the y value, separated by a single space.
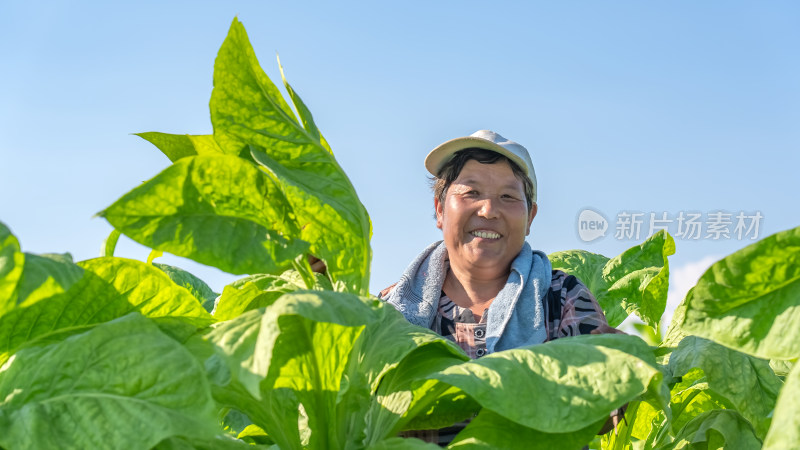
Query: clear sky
pixel 625 106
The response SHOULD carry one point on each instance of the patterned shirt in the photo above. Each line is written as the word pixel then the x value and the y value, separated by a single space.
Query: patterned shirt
pixel 570 310
pixel 459 325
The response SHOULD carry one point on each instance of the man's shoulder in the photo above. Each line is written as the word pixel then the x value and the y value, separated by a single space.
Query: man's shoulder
pixel 563 280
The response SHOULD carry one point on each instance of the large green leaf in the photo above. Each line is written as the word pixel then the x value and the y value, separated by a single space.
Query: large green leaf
pixel 379 351
pixel 197 287
pixel 108 288
pixel 217 210
pixel 303 112
pixel 785 430
pixel 746 382
pixel 644 423
pixel 324 354
pixel 431 403
pixel 636 281
pixel 124 384
pixel 266 324
pixel 145 289
pixel 249 114
pixel 258 291
pixel 11 262
pixel 177 146
pixel 675 332
pixel 492 431
pixel 564 385
pixel 397 443
pixel 401 399
pixel 223 370
pixel 718 429
pixel 42 277
pixel 387 360
pixel 693 396
pixel 214 443
pixel 407 399
pixel 286 364
pixel 46 275
pixel 750 300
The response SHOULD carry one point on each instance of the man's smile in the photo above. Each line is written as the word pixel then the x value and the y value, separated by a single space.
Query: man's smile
pixel 486 234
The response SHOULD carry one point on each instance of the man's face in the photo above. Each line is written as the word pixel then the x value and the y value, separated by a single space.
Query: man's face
pixel 484 218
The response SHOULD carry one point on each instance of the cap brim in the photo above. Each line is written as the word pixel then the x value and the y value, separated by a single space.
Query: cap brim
pixel 439 156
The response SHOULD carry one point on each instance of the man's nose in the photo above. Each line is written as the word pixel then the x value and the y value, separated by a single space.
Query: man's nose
pixel 488 208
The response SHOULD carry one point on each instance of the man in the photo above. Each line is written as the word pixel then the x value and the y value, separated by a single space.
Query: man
pixel 483 286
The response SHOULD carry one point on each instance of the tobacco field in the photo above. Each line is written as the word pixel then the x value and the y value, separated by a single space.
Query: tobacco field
pixel 119 353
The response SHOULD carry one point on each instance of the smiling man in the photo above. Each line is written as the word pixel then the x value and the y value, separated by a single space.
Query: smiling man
pixel 483 286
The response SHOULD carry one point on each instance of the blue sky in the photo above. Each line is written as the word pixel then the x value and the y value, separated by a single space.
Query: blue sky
pixel 624 106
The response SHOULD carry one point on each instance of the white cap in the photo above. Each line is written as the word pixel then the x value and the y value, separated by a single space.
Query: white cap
pixel 486 140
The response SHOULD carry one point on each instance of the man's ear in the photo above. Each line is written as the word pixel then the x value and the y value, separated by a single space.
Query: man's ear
pixel 534 210
pixel 439 212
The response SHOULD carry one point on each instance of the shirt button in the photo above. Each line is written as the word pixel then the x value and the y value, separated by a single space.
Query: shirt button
pixel 480 352
pixel 479 333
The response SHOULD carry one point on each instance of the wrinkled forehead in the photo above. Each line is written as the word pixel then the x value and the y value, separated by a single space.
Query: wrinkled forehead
pixel 498 175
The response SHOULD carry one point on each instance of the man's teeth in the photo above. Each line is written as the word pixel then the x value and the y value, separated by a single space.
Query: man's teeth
pixel 486 234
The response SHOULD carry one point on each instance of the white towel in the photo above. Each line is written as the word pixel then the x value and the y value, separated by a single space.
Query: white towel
pixel 515 317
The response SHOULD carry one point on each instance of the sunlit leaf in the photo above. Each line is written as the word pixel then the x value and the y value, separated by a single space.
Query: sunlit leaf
pixel 108 288
pixel 785 430
pixel 217 210
pixel 718 429
pixel 636 281
pixel 567 384
pixel 746 382
pixel 97 390
pixel 250 115
pixel 750 300
pixel 177 146
pixel 11 262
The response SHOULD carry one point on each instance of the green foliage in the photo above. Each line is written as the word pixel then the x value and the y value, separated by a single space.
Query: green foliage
pixel 397 443
pixel 251 118
pixel 78 297
pixel 46 275
pixel 11 261
pixel 750 300
pixel 177 146
pixel 123 384
pixel 328 352
pixel 257 291
pixel 213 443
pixel 716 429
pixel 197 287
pixel 492 431
pixel 359 373
pixel 568 383
pixel 635 281
pixel 117 353
pixel 263 189
pixel 214 210
pixel 110 244
pixel 745 382
pixel 785 430
pixel 694 396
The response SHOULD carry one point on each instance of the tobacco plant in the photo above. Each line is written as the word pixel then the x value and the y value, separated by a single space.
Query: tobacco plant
pixel 118 353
